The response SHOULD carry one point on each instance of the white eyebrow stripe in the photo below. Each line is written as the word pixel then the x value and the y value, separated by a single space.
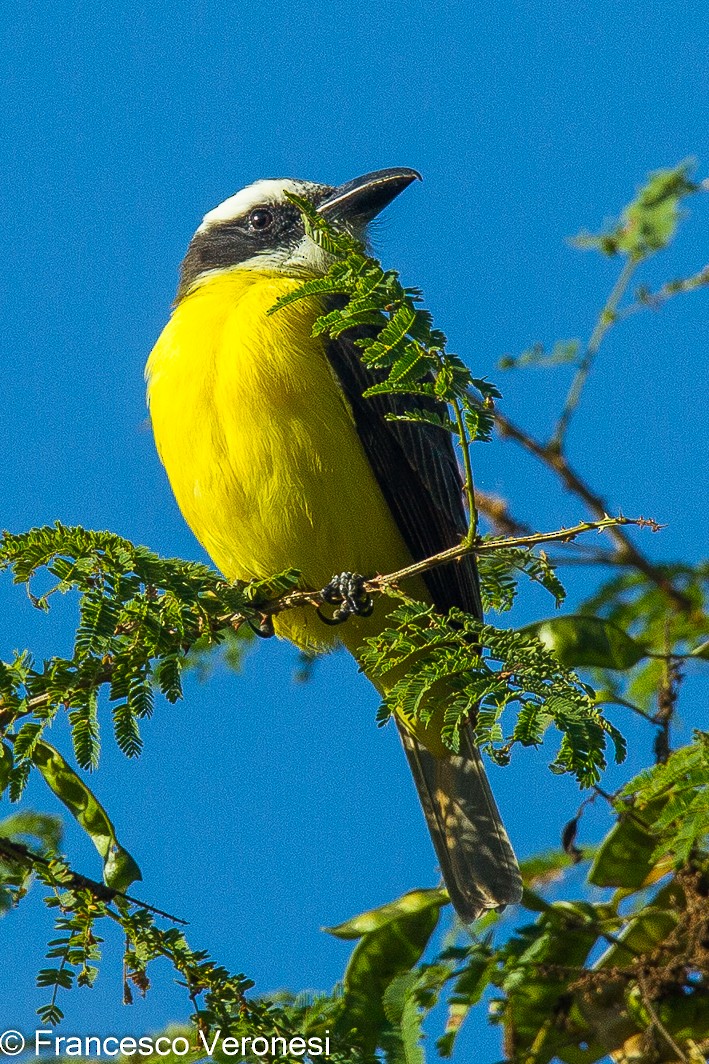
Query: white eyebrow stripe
pixel 270 190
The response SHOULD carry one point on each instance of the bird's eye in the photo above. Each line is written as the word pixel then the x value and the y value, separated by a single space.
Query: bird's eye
pixel 261 218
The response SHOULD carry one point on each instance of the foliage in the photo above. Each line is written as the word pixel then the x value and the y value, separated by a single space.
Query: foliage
pixel 140 616
pixel 19 829
pixel 499 575
pixel 404 348
pixel 623 968
pixel 635 604
pixel 486 670
pixel 649 223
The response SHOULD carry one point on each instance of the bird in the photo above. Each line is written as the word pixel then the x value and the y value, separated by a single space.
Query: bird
pixel 278 461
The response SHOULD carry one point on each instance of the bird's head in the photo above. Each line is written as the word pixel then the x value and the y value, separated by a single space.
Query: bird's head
pixel 258 228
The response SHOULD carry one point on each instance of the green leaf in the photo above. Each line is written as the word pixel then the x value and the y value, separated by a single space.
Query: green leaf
pixel 540 958
pixel 426 417
pixel 272 587
pixel 85 733
pixel 432 667
pixel 168 675
pixel 19 775
pixel 126 730
pixel 50 1014
pixel 499 570
pixel 649 223
pixel 672 801
pixel 467 991
pixel 26 739
pixel 393 333
pixel 6 763
pixel 625 857
pixel 404 1013
pixel 579 640
pixel 652 924
pixel 38 827
pixel 397 936
pixel 543 869
pixel 408 904
pixel 119 868
pixel 60 977
pixel 479 423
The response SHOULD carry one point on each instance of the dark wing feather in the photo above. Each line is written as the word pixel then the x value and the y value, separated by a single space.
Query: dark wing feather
pixel 416 468
pixel 417 471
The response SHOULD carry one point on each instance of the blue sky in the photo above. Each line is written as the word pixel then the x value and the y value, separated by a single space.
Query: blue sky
pixel 262 810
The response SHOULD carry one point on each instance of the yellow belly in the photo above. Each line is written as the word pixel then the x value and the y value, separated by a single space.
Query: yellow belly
pixel 261 449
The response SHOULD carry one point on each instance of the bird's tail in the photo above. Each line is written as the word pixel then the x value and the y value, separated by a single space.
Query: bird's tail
pixel 478 863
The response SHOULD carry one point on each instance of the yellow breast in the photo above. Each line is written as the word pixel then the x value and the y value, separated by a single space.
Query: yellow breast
pixel 259 443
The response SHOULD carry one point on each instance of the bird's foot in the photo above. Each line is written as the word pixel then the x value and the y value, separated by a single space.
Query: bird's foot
pixel 347 592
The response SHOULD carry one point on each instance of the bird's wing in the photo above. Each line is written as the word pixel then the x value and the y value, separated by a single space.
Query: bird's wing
pixel 416 468
pixel 417 471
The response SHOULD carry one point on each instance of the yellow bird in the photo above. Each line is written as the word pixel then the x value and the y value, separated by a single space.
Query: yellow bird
pixel 276 461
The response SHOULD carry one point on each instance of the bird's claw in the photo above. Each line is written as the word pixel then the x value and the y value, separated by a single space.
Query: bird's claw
pixel 347 592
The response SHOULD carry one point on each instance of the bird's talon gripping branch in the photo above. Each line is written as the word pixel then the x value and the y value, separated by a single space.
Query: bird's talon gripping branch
pixel 347 592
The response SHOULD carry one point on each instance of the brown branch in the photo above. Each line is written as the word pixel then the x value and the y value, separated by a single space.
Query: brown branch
pixel 314 599
pixel 497 511
pixel 21 854
pixel 656 1021
pixel 627 552
pixel 299 598
pixel 374 585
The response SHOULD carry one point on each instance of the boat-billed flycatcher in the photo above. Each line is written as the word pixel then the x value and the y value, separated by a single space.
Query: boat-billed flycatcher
pixel 277 461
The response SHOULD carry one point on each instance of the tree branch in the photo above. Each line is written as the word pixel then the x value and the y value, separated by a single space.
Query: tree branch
pixel 645 299
pixel 21 854
pixel 479 546
pixel 605 319
pixel 561 535
pixel 627 552
pixel 497 511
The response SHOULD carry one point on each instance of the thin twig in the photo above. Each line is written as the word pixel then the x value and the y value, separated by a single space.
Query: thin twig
pixel 16 851
pixel 605 320
pixel 617 701
pixel 587 557
pixel 628 554
pixel 654 300
pixel 610 798
pixel 561 535
pixel 497 510
pixel 657 1022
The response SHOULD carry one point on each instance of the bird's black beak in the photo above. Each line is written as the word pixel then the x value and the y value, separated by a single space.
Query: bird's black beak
pixel 362 199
